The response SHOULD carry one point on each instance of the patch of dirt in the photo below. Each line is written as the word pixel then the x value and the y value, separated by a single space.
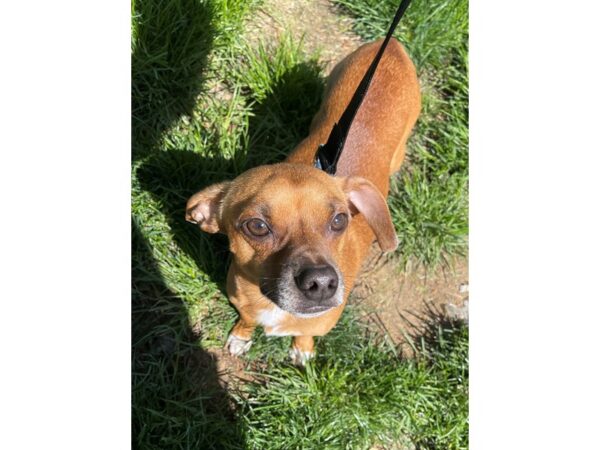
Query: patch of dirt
pixel 233 372
pixel 402 304
pixel 316 23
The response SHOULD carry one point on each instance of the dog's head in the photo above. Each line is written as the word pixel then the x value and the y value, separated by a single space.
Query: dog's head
pixel 287 226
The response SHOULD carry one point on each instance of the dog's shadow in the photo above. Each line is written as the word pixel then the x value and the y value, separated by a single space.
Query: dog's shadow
pixel 176 394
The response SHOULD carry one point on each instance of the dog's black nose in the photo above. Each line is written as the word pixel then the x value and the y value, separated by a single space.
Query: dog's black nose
pixel 317 282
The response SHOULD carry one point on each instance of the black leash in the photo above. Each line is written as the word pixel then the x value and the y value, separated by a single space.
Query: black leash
pixel 328 154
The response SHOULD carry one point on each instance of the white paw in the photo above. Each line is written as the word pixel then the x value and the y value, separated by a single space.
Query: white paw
pixel 237 346
pixel 299 358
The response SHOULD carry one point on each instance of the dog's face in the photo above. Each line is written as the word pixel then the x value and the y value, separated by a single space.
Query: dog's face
pixel 287 226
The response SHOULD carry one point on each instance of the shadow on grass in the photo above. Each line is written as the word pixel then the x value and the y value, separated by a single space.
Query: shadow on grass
pixel 438 319
pixel 172 40
pixel 177 400
pixel 176 396
pixel 443 346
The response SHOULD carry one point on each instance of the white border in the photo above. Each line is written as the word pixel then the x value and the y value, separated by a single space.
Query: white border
pixel 534 224
pixel 64 179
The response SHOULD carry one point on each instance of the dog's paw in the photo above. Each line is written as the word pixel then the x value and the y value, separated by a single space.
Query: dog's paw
pixel 237 346
pixel 299 358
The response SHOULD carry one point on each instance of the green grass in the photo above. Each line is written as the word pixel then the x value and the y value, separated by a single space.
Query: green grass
pixel 358 392
pixel 205 107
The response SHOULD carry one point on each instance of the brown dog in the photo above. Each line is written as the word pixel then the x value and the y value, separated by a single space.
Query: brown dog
pixel 299 235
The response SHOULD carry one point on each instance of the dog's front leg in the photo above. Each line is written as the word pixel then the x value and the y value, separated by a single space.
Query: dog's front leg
pixel 240 337
pixel 303 349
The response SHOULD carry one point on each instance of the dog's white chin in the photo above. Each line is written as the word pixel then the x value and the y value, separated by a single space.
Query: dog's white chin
pixel 312 315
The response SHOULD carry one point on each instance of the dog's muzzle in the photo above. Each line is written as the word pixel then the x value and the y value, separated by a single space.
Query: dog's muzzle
pixel 307 290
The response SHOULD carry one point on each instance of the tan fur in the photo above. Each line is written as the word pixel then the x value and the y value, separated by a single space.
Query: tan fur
pixel 299 199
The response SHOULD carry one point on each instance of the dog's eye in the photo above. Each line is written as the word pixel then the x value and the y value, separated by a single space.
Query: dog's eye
pixel 256 227
pixel 339 222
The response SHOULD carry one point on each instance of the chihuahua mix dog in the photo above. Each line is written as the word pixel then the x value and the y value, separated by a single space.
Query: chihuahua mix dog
pixel 298 235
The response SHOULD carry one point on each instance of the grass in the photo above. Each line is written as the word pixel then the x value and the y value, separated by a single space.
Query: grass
pixel 206 106
pixel 364 396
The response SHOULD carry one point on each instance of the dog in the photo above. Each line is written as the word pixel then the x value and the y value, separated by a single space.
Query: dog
pixel 298 235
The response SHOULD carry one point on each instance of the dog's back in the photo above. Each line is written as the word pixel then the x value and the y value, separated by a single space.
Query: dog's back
pixel 376 142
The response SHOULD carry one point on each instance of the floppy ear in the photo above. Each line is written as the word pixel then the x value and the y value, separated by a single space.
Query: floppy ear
pixel 203 208
pixel 365 198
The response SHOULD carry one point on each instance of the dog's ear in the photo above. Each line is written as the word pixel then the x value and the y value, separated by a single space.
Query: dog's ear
pixel 365 198
pixel 203 208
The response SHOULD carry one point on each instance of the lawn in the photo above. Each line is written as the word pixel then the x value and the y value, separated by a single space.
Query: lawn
pixel 207 105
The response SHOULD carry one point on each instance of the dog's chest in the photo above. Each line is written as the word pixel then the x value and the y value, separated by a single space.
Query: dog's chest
pixel 275 322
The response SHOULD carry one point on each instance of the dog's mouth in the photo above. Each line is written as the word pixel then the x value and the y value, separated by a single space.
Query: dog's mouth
pixel 313 311
pixel 303 310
